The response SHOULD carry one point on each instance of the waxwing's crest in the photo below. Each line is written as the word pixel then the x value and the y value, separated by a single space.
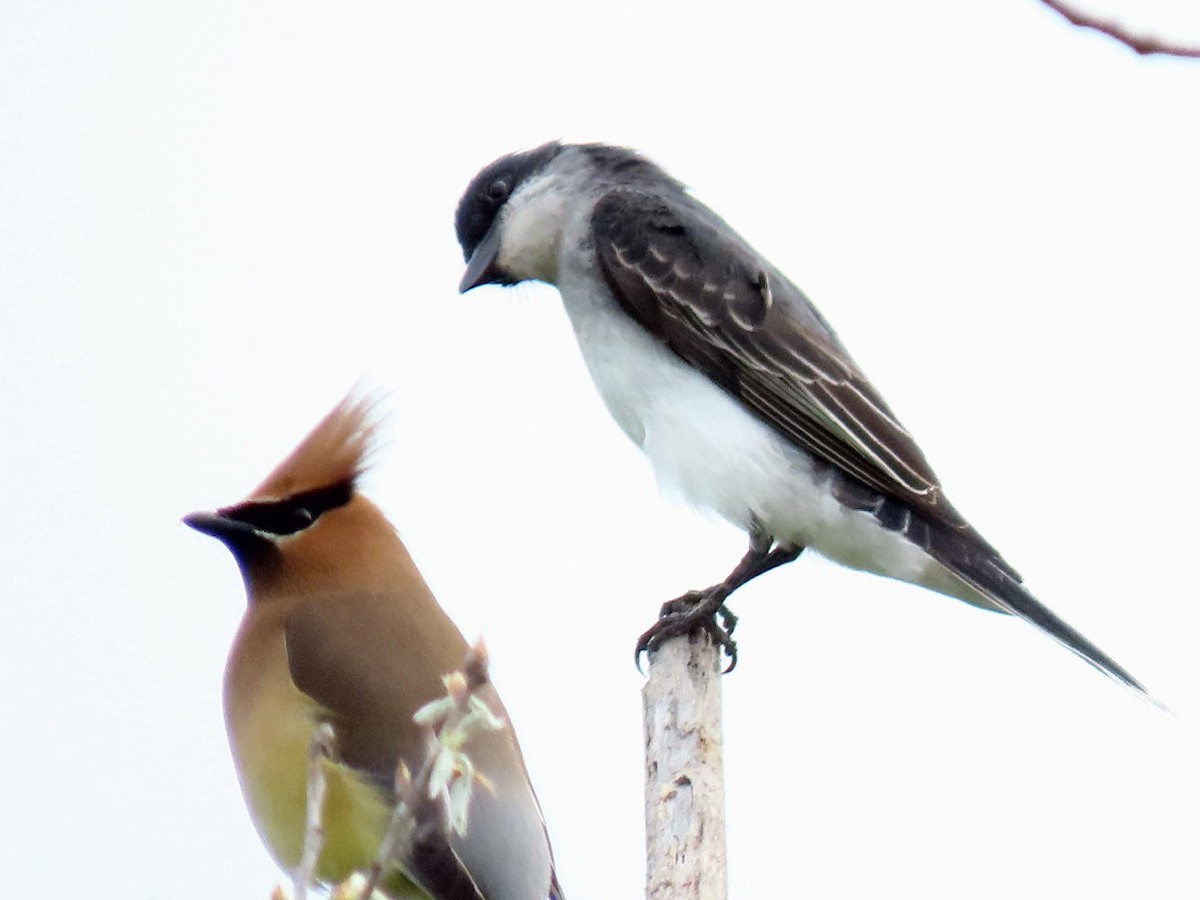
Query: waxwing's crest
pixel 337 451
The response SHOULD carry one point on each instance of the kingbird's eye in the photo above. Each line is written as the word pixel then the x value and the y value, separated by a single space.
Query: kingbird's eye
pixel 497 190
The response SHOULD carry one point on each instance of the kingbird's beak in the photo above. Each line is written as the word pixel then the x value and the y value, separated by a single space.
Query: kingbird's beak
pixel 481 267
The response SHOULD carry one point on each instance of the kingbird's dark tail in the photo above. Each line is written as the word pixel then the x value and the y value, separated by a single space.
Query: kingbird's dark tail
pixel 992 577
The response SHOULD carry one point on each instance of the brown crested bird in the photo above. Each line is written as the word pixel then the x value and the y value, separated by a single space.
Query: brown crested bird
pixel 341 628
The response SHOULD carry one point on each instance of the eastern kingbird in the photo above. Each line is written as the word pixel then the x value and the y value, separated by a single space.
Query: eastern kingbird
pixel 731 382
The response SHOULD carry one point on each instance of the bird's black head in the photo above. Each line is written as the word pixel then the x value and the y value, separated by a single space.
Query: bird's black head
pixel 485 196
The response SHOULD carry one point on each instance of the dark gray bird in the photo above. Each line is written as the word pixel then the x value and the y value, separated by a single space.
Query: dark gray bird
pixel 731 382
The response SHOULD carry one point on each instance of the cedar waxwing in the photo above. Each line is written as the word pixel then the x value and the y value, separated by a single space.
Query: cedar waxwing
pixel 340 628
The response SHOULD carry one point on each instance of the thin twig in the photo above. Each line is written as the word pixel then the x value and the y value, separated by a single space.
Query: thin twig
pixel 320 748
pixel 1144 44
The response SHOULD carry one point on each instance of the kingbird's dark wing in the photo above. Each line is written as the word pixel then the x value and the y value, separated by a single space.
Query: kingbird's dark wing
pixel 725 310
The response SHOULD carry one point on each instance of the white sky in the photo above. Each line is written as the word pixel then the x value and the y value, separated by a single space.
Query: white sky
pixel 215 217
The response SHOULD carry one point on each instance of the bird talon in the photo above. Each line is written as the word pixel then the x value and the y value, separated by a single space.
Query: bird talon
pixel 687 614
pixel 728 620
pixel 682 605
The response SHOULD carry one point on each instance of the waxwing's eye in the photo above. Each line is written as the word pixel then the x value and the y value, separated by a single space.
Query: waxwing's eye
pixel 497 190
pixel 283 517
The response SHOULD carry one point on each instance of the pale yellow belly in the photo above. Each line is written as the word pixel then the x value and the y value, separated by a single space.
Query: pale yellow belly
pixel 270 725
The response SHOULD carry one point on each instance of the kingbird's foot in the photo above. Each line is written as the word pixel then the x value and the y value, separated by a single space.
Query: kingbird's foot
pixel 693 612
pixel 686 606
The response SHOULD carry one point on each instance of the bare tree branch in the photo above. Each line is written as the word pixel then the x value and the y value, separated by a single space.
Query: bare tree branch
pixel 1144 44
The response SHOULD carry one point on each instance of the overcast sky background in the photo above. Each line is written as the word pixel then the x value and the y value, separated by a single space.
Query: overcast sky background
pixel 216 217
